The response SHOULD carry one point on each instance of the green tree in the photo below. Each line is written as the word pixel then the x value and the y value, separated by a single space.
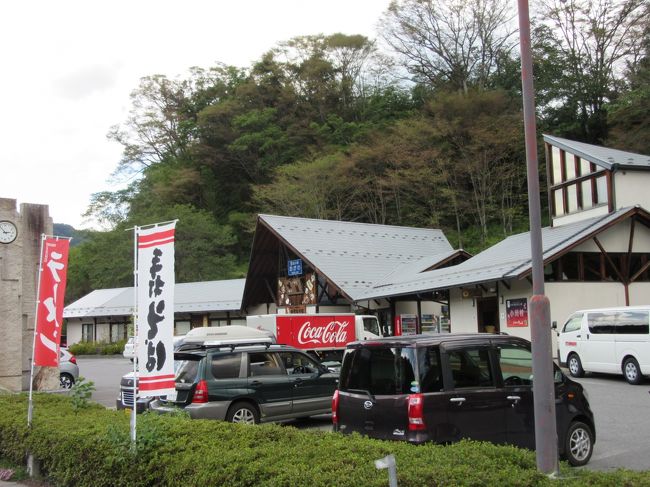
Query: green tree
pixel 593 40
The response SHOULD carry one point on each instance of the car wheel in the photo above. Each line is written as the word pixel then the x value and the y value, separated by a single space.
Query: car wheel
pixel 66 381
pixel 243 412
pixel 575 366
pixel 632 371
pixel 579 444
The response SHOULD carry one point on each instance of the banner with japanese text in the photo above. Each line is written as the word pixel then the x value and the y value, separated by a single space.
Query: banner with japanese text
pixel 49 314
pixel 155 310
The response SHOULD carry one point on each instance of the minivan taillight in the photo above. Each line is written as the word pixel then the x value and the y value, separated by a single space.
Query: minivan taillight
pixel 416 412
pixel 200 393
pixel 335 407
pixel 73 359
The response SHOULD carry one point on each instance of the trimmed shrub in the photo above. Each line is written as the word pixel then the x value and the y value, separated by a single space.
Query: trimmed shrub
pixel 92 447
pixel 97 348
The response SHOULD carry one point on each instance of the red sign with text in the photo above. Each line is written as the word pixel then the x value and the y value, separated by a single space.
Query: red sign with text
pixel 517 312
pixel 49 315
pixel 314 331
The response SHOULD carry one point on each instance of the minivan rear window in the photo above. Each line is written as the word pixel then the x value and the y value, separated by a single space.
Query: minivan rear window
pixel 378 370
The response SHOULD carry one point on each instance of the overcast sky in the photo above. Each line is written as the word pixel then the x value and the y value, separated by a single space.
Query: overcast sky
pixel 68 68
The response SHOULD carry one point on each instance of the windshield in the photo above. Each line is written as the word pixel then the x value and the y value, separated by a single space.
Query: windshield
pixel 378 370
pixel 371 326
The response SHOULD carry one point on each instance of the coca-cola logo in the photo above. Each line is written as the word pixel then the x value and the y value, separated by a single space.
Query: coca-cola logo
pixel 331 333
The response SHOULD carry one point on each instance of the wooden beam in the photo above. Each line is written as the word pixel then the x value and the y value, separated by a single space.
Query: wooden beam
pixel 506 285
pixel 609 259
pixel 640 271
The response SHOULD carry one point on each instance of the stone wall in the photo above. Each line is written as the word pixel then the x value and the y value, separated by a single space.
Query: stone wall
pixel 18 283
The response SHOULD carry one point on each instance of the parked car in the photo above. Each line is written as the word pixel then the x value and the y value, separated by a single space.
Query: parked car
pixel 68 369
pixel 129 349
pixel 446 387
pixel 609 340
pixel 196 336
pixel 248 381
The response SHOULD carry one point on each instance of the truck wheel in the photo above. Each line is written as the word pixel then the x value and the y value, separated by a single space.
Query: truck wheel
pixel 575 366
pixel 243 412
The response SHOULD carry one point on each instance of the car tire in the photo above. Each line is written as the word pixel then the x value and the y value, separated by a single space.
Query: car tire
pixel 578 444
pixel 575 365
pixel 66 381
pixel 243 412
pixel 632 371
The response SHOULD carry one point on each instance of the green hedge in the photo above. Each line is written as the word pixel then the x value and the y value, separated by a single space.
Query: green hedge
pixel 97 348
pixel 92 447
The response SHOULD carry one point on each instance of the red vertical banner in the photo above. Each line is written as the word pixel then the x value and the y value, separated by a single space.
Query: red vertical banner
pixel 49 314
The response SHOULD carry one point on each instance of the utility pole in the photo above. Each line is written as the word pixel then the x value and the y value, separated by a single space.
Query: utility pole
pixel 540 310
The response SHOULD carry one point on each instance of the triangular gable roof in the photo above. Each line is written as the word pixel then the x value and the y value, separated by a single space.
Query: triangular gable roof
pixel 611 159
pixel 188 297
pixel 351 256
pixel 510 258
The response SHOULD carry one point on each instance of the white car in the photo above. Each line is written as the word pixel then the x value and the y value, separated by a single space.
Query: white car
pixel 129 349
pixel 68 369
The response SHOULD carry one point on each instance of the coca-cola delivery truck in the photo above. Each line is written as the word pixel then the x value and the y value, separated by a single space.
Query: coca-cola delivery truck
pixel 324 334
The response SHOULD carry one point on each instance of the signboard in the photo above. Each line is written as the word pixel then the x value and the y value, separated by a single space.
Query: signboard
pixel 517 312
pixel 313 331
pixel 294 267
pixel 155 304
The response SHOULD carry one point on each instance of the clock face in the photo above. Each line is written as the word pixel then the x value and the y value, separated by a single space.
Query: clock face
pixel 8 232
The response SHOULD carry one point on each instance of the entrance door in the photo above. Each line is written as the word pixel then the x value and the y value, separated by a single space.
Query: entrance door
pixel 487 314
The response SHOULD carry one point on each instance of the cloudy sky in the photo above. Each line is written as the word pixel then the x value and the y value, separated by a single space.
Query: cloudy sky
pixel 68 68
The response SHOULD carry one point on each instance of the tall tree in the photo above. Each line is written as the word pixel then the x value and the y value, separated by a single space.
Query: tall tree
pixel 594 39
pixel 628 117
pixel 450 43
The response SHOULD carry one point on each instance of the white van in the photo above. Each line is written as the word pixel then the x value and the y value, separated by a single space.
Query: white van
pixel 609 340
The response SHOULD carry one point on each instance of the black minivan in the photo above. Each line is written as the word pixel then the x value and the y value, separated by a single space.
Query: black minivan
pixel 446 387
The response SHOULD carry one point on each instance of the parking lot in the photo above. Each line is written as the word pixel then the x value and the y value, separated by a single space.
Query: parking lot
pixel 621 412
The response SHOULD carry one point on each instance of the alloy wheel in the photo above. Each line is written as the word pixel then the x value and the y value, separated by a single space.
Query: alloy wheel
pixel 580 444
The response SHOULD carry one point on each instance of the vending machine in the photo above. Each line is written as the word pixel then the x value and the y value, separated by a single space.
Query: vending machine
pixel 406 325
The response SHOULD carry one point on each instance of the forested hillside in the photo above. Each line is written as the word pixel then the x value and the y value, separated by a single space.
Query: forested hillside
pixel 421 126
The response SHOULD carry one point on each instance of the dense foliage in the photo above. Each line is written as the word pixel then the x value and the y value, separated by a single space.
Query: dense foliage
pixel 424 129
pixel 91 446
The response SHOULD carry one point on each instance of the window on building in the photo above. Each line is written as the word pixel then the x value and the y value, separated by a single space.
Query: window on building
pixel 559 202
pixel 572 198
pixel 570 166
pixel 587 197
pixel 557 165
pixel 88 332
pixel 118 332
pixel 601 190
pixel 181 327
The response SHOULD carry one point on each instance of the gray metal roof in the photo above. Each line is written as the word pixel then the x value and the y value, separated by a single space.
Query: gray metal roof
pixel 602 156
pixel 188 297
pixel 508 259
pixel 356 256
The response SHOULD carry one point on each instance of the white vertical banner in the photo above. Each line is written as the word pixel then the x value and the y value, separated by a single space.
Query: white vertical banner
pixel 155 310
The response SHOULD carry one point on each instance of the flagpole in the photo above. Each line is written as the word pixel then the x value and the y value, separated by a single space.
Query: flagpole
pixel 30 408
pixel 134 413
